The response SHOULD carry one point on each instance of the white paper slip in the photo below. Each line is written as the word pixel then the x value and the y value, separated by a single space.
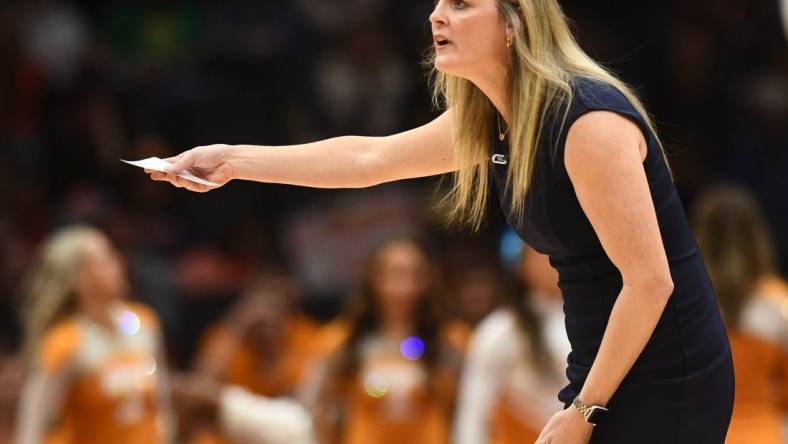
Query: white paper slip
pixel 154 163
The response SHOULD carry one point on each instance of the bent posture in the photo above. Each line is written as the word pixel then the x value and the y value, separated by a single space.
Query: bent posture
pixel 582 177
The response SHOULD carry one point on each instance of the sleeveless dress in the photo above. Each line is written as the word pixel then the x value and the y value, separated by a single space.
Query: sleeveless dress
pixel 680 389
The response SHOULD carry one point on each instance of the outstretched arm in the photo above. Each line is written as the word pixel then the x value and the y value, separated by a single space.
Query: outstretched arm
pixel 341 162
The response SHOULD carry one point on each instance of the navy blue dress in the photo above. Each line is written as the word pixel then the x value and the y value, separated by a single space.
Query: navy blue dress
pixel 680 389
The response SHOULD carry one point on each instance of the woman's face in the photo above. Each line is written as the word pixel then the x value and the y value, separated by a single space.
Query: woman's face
pixel 468 36
pixel 103 273
pixel 477 294
pixel 400 278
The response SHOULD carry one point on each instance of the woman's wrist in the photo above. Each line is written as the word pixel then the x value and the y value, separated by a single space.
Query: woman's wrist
pixel 588 396
pixel 239 159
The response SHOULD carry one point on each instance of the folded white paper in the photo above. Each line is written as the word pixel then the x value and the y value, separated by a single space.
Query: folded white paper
pixel 154 163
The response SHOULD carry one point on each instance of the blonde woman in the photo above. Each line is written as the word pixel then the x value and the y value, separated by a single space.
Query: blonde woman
pixel 95 372
pixel 583 178
pixel 736 244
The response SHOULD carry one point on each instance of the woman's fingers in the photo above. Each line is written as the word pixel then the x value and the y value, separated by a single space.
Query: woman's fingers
pixel 182 161
pixel 179 163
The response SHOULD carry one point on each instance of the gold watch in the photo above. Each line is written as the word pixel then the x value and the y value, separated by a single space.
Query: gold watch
pixel 593 414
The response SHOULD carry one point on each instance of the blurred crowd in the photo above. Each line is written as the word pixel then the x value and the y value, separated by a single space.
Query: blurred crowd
pixel 267 313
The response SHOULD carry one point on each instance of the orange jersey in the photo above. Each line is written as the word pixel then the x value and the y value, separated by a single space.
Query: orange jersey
pixel 760 360
pixel 248 368
pixel 113 378
pixel 389 401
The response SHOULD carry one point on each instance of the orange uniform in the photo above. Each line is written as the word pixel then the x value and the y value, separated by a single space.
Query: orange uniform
pixel 760 360
pixel 247 368
pixel 112 387
pixel 389 401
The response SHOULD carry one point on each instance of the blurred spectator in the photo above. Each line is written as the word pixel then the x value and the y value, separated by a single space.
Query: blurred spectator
pixel 263 344
pixel 478 291
pixel 515 362
pixel 94 363
pixel 331 16
pixel 57 38
pixel 739 254
pixel 243 417
pixel 361 86
pixel 392 376
pixel 543 295
pixel 326 242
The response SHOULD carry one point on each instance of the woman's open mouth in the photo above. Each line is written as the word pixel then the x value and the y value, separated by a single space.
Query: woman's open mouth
pixel 441 42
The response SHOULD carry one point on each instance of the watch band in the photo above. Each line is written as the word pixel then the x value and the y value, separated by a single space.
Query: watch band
pixel 593 414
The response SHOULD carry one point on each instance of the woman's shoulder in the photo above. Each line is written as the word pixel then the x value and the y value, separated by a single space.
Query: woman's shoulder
pixel 59 344
pixel 589 94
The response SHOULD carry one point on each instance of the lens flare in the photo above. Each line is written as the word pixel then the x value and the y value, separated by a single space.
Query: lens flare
pixel 128 323
pixel 411 348
pixel 151 367
pixel 376 385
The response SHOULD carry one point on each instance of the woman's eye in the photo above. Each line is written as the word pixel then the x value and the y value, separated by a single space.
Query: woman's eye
pixel 456 4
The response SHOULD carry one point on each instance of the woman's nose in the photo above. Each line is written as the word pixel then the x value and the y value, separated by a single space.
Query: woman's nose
pixel 438 17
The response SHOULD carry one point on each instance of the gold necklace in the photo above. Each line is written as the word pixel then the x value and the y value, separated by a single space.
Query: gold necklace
pixel 501 136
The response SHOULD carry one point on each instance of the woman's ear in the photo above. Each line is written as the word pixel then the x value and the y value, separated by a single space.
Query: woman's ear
pixel 509 31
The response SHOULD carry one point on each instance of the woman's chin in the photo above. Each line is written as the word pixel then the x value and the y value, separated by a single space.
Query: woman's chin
pixel 445 67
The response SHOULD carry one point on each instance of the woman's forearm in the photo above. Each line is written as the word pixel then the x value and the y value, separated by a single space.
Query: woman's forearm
pixel 341 162
pixel 632 322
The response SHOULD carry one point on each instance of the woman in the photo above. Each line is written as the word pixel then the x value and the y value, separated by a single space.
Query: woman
pixel 514 364
pixel 263 344
pixel 243 417
pixel 742 263
pixel 392 375
pixel 585 181
pixel 95 368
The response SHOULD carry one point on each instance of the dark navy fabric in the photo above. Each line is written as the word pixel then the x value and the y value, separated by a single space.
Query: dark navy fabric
pixel 689 340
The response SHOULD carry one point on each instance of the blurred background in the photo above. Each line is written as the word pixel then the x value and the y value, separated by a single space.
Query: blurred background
pixel 85 83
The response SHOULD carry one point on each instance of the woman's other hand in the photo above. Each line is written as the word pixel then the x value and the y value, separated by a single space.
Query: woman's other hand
pixel 207 162
pixel 566 427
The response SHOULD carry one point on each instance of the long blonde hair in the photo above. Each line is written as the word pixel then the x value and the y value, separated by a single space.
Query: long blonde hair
pixel 48 288
pixel 544 59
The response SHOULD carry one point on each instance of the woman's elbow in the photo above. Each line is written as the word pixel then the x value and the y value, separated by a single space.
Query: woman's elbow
pixel 662 286
pixel 668 286
pixel 657 285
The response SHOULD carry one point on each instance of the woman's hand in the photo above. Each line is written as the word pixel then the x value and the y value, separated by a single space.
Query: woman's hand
pixel 566 427
pixel 207 162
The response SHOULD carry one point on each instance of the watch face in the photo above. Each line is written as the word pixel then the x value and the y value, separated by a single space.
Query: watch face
pixel 596 415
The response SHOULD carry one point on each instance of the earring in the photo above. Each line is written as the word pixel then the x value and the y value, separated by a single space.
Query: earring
pixel 509 41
